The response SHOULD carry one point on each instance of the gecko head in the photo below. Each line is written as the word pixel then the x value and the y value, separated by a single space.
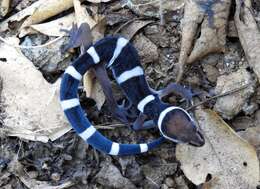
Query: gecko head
pixel 177 125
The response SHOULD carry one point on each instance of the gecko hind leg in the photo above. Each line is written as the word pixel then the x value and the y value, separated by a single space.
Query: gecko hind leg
pixel 141 124
pixel 118 111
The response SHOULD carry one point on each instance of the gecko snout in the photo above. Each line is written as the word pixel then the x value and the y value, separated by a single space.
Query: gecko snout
pixel 198 140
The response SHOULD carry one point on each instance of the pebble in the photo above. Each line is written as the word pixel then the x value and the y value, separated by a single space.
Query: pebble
pixel 55 176
pixel 169 182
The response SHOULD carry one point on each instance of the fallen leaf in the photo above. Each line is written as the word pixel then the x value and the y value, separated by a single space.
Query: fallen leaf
pixel 249 34
pixel 98 1
pixel 129 30
pixel 209 18
pixel 52 28
pixel 4 7
pixel 151 8
pixel 251 135
pixel 30 104
pixel 228 159
pixel 47 9
pixel 91 86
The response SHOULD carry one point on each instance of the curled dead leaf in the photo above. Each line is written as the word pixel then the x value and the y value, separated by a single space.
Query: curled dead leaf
pixel 30 104
pixel 209 18
pixel 249 34
pixel 47 9
pixel 227 158
pixel 4 7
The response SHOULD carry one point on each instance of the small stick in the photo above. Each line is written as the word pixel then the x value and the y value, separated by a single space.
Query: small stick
pixel 220 95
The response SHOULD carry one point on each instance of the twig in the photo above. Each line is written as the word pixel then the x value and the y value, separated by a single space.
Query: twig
pixel 162 21
pixel 110 126
pixel 220 95
pixel 31 47
pixel 125 24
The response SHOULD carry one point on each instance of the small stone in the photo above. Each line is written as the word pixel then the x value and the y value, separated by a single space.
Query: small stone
pixel 180 182
pixel 67 157
pixel 242 123
pixel 164 186
pixel 55 176
pixel 32 174
pixel 110 176
pixel 169 182
pixel 230 105
pixel 249 109
pixel 211 72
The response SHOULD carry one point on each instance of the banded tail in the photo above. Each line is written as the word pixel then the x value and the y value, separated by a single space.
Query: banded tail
pixel 107 49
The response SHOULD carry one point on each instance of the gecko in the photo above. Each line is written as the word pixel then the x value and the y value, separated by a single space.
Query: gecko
pixel 119 55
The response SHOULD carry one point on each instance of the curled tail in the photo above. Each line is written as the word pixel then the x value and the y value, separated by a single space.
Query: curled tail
pixel 107 49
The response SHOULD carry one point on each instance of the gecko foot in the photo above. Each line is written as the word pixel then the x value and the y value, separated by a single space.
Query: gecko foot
pixel 124 115
pixel 185 92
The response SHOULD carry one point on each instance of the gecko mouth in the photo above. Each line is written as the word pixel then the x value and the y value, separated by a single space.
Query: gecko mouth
pixel 200 140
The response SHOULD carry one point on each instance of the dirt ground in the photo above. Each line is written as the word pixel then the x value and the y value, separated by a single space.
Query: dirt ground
pixel 69 160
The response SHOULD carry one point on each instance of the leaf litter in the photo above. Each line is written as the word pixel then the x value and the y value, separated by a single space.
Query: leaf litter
pixel 68 161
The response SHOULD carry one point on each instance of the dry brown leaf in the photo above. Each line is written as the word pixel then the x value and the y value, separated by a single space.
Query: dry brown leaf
pixel 129 30
pixel 252 135
pixel 31 106
pixel 210 19
pixel 91 86
pixel 249 34
pixel 20 15
pixel 52 28
pixel 230 160
pixel 47 9
pixel 98 1
pixel 151 7
pixel 4 7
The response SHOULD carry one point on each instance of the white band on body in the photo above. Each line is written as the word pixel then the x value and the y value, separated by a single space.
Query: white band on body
pixel 120 44
pixel 114 149
pixel 137 71
pixel 67 104
pixel 88 133
pixel 73 72
pixel 93 53
pixel 145 101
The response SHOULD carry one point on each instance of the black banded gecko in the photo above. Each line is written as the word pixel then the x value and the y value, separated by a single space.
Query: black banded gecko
pixel 122 58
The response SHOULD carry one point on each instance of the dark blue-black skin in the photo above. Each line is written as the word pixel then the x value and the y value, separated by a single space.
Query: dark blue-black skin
pixel 136 89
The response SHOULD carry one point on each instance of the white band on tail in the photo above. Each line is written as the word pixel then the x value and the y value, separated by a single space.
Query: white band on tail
pixel 67 104
pixel 88 133
pixel 143 148
pixel 114 149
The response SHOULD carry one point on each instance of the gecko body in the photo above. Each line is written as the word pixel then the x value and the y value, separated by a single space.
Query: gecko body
pixel 122 58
